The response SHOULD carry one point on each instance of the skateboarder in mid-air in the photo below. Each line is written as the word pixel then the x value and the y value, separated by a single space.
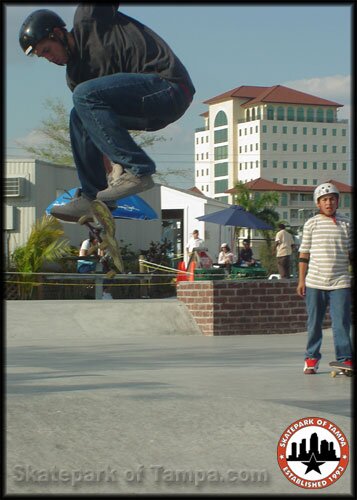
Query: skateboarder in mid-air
pixel 123 77
pixel 324 277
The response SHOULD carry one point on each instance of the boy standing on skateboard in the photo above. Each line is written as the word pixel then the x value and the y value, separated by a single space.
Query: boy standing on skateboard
pixel 324 277
pixel 123 77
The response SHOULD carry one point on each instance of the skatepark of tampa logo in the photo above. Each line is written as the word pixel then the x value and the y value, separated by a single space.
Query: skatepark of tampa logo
pixel 313 453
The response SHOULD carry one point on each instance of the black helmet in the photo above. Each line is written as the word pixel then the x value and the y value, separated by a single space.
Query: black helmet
pixel 37 26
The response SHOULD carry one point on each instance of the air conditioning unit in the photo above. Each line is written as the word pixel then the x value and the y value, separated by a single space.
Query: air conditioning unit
pixel 14 187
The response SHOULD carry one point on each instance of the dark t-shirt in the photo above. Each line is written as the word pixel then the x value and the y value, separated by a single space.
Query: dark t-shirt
pixel 108 42
pixel 246 254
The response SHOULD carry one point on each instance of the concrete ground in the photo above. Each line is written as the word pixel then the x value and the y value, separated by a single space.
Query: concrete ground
pixel 120 397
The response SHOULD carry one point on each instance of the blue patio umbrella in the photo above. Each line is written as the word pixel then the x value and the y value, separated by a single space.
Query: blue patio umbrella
pixel 237 216
pixel 132 207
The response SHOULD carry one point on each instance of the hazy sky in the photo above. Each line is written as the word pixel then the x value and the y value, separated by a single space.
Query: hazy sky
pixel 223 46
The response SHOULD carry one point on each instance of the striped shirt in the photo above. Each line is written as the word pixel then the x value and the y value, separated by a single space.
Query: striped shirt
pixel 328 245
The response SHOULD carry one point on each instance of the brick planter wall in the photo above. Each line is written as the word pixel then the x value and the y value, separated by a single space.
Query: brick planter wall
pixel 245 307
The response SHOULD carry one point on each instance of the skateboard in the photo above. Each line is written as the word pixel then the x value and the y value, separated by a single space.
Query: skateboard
pixel 341 369
pixel 104 228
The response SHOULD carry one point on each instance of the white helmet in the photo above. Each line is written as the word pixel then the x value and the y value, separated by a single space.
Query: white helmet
pixel 326 188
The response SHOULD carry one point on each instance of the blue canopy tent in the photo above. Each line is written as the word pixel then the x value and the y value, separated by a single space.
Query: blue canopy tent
pixel 132 207
pixel 235 216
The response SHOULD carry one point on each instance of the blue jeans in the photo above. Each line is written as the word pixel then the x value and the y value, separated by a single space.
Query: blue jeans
pixel 105 109
pixel 340 313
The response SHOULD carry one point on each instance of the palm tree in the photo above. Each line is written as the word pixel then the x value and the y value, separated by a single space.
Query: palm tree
pixel 45 244
pixel 261 205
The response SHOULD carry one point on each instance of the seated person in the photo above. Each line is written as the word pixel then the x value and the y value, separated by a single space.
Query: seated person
pixel 246 255
pixel 225 257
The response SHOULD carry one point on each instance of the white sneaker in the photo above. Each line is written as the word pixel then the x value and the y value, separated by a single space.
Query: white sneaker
pixel 73 210
pixel 125 184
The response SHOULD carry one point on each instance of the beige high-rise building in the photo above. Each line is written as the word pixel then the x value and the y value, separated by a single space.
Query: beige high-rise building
pixel 276 134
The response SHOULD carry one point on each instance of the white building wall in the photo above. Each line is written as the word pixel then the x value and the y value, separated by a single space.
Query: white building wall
pixel 44 182
pixel 194 206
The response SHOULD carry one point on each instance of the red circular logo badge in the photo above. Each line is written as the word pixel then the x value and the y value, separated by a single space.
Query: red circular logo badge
pixel 313 453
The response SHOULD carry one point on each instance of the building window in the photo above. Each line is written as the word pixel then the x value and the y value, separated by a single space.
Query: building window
pixel 334 166
pixel 265 146
pixel 314 131
pixel 334 149
pixel 291 114
pixel 264 129
pixel 304 182
pixel 221 169
pixel 240 132
pixel 275 146
pixel 320 115
pixel 295 130
pixel 240 149
pixel 346 201
pixel 304 130
pixel 281 113
pixel 295 181
pixel 285 130
pixel 334 131
pixel 275 179
pixel 285 164
pixel 221 135
pixel 221 119
pixel 284 199
pixel 324 148
pixel 344 149
pixel 285 147
pixel 295 147
pixel 310 115
pixel 221 186
pixel 314 165
pixel 256 147
pixel 324 166
pixel 275 164
pixel 285 180
pixel 295 164
pixel 314 182
pixel 305 165
pixel 258 113
pixel 300 115
pixel 324 131
pixel 344 166
pixel 270 113
pixel 265 163
pixel 275 129
pixel 329 115
pixel 314 148
pixel 343 132
pixel 304 148
pixel 221 152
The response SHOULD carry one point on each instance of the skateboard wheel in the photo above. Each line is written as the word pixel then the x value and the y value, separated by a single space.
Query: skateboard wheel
pixel 333 374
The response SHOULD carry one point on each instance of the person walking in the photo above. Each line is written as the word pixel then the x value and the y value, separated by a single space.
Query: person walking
pixel 123 77
pixel 324 277
pixel 284 244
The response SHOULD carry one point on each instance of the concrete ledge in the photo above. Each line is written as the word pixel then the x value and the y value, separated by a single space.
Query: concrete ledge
pixel 39 319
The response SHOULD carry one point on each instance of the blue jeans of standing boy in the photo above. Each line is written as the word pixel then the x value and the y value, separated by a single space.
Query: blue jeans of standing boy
pixel 106 108
pixel 339 301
